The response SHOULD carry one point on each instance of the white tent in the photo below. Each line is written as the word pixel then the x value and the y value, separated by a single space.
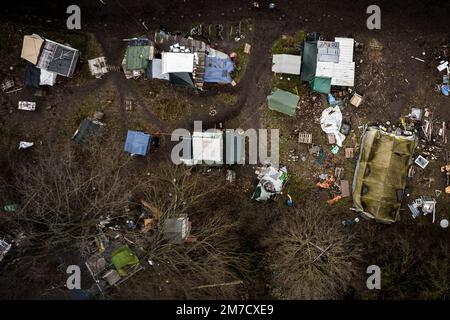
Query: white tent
pixel 177 62
pixel 286 63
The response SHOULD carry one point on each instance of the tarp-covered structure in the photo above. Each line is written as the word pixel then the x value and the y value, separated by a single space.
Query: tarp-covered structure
pixel 88 127
pixel 137 143
pixel 283 101
pixel 381 172
pixel 218 70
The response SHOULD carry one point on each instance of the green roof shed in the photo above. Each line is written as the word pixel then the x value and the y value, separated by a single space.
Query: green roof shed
pixel 137 57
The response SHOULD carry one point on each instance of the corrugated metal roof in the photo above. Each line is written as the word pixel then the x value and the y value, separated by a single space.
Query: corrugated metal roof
pixel 345 49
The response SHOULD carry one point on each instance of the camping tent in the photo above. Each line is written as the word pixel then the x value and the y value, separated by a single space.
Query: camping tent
pixel 283 101
pixel 137 143
pixel 380 175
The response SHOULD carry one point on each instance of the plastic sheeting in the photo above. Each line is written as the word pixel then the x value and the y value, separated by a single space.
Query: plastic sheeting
pixel 47 78
pixel 218 70
pixel 331 121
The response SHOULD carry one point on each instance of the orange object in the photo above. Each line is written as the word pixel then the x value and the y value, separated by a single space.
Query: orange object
pixel 334 200
pixel 327 183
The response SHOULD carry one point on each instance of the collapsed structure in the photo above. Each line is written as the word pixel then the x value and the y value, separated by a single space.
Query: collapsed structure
pixel 381 172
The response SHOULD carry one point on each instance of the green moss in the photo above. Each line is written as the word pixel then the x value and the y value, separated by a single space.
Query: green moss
pixel 241 63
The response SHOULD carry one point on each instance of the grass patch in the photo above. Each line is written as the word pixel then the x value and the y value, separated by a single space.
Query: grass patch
pixel 227 98
pixel 241 63
pixel 289 44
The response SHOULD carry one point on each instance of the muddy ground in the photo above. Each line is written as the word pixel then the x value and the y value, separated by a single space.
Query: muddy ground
pixel 389 79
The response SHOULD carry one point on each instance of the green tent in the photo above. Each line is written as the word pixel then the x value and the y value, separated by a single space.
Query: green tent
pixel 123 257
pixel 320 84
pixel 380 175
pixel 137 57
pixel 283 101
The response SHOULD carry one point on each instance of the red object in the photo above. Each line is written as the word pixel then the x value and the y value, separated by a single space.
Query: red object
pixel 233 56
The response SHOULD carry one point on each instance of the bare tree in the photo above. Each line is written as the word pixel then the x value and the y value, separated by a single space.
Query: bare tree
pixel 311 254
pixel 204 268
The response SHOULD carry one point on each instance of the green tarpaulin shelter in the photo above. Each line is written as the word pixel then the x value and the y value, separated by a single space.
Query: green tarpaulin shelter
pixel 123 257
pixel 321 84
pixel 283 101
pixel 309 61
pixel 380 175
pixel 137 57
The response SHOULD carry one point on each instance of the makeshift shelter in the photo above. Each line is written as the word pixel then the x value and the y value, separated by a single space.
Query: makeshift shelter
pixel 87 128
pixel 181 79
pixel 286 63
pixel 137 143
pixel 218 70
pixel 272 181
pixel 207 146
pixel 283 101
pixel 137 57
pixel 309 61
pixel 31 48
pixel 320 84
pixel 58 58
pixel 176 230
pixel 381 172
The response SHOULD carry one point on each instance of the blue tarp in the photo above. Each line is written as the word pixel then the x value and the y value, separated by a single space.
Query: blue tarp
pixel 218 70
pixel 137 142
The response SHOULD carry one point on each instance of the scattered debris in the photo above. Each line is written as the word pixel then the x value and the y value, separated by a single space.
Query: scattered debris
pixel 423 205
pixel 331 121
pixel 271 182
pixel 349 153
pixel 25 145
pixel 27 105
pixel 98 67
pixel 356 100
pixel 305 138
pixel 421 162
pixel 444 223
pixel 4 248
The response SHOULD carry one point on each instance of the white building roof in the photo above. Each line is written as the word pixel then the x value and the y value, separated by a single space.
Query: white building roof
pixel 325 69
pixel 345 49
pixel 343 74
pixel 177 62
pixel 286 63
